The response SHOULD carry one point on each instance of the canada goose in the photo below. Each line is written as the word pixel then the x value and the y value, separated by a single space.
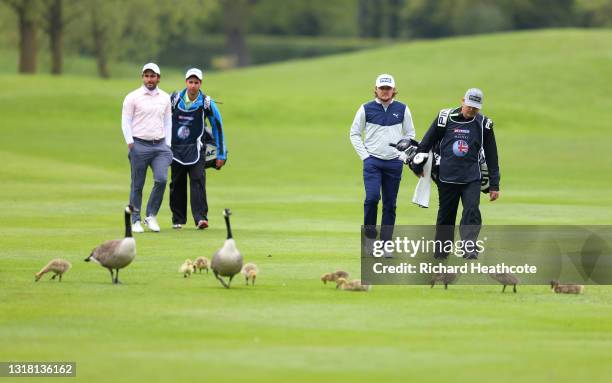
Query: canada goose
pixel 57 266
pixel 566 289
pixel 446 278
pixel 202 263
pixel 506 279
pixel 118 253
pixel 250 271
pixel 227 261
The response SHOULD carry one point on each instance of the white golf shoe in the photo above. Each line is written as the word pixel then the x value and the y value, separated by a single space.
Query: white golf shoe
pixel 151 222
pixel 137 227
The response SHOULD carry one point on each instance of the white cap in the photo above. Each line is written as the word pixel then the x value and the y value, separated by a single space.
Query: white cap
pixel 193 72
pixel 151 66
pixel 473 97
pixel 385 80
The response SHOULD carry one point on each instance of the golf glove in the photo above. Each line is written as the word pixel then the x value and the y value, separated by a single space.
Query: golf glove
pixel 418 162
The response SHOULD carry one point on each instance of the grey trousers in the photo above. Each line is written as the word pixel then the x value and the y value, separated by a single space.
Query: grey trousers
pixel 158 157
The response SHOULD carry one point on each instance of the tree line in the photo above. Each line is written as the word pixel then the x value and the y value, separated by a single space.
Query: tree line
pixel 140 30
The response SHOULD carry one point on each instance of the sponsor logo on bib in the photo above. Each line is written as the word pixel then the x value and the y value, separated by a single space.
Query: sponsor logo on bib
pixel 460 148
pixel 183 132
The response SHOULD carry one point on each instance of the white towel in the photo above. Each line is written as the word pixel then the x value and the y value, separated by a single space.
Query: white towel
pixel 423 188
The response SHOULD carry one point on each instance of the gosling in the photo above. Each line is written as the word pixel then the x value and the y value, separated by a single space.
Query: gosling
pixel 332 277
pixel 187 268
pixel 354 285
pixel 566 289
pixel 250 271
pixel 505 279
pixel 328 277
pixel 202 263
pixel 57 266
pixel 341 274
pixel 446 278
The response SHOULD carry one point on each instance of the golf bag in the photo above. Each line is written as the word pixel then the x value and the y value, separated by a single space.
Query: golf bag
pixel 209 148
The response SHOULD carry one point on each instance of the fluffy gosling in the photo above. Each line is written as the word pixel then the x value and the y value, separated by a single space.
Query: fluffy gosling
pixel 566 289
pixel 341 274
pixel 57 266
pixel 328 277
pixel 332 277
pixel 187 268
pixel 202 263
pixel 354 285
pixel 250 271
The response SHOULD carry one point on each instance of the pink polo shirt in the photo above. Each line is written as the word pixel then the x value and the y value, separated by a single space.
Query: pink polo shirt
pixel 146 115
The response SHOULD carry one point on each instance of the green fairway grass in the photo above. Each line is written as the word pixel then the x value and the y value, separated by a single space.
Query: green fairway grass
pixel 293 182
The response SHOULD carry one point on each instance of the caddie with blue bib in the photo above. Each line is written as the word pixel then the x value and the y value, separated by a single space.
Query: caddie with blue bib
pixel 378 123
pixel 190 109
pixel 465 162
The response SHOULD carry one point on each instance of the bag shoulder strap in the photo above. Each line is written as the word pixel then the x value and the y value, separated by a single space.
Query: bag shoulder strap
pixel 488 123
pixel 443 117
pixel 174 99
pixel 206 103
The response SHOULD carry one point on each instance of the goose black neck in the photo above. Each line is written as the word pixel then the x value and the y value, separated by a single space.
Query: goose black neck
pixel 128 225
pixel 229 228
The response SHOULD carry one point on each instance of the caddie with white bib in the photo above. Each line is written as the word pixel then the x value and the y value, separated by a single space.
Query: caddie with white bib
pixel 190 109
pixel 464 162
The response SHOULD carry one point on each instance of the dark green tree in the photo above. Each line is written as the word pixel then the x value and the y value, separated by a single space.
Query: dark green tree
pixel 28 15
pixel 531 14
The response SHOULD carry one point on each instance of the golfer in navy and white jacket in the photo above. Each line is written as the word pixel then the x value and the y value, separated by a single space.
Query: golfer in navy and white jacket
pixel 377 124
